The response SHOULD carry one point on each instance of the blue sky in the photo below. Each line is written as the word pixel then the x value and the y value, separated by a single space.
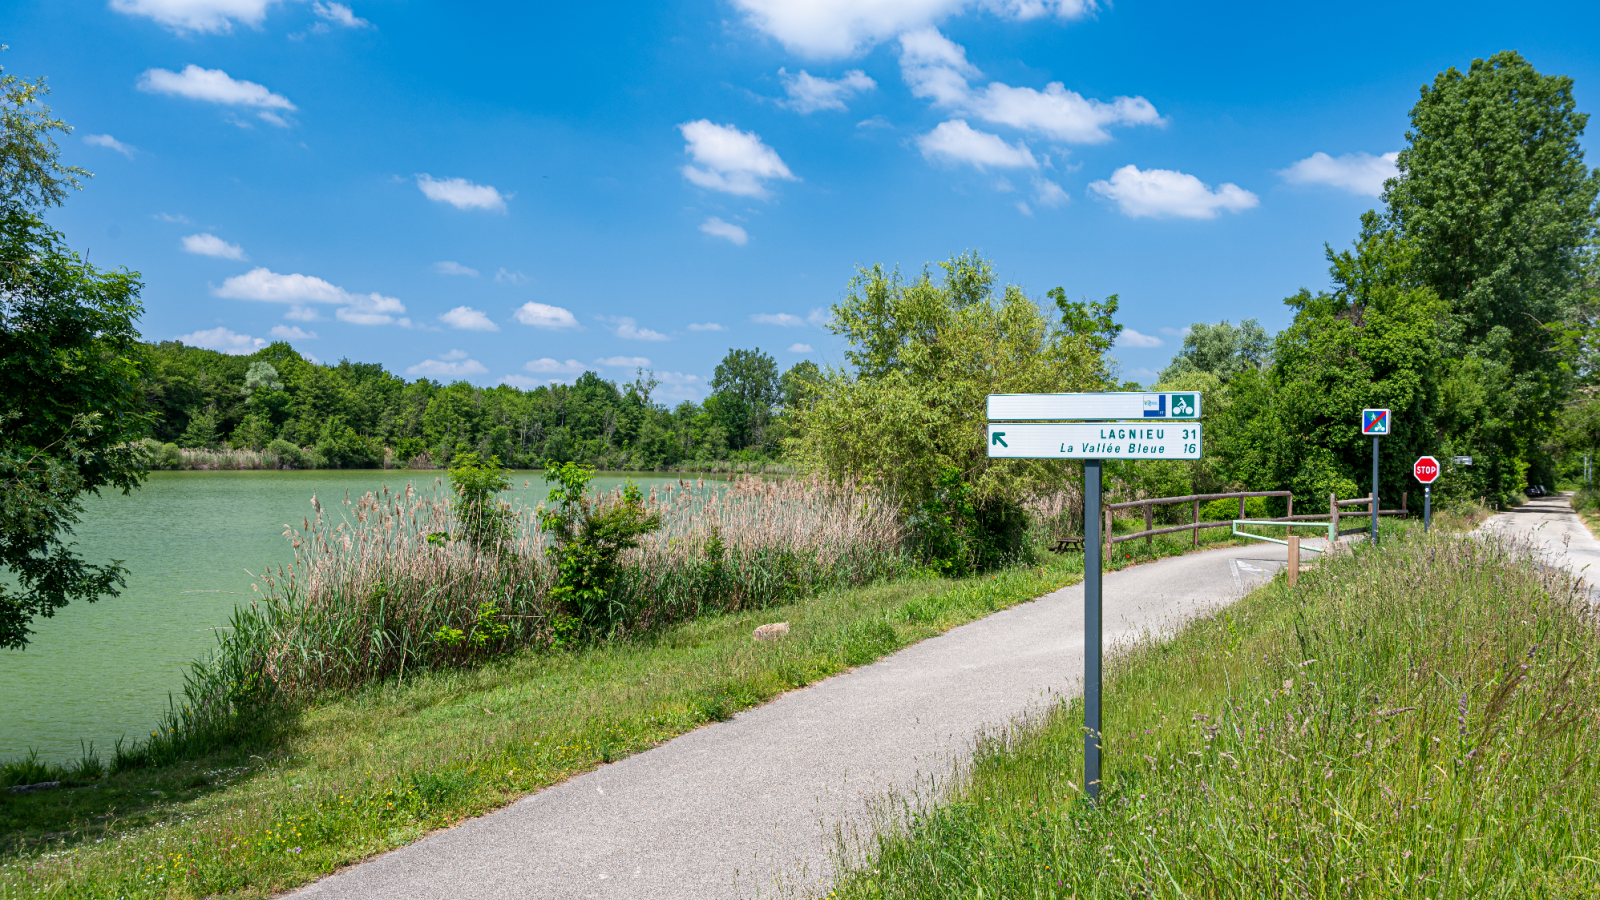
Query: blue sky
pixel 522 191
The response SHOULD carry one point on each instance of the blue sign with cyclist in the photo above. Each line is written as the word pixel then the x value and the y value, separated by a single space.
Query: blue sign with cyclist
pixel 1375 422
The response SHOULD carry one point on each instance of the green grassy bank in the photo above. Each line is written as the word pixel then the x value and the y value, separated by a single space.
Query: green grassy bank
pixel 377 768
pixel 1420 720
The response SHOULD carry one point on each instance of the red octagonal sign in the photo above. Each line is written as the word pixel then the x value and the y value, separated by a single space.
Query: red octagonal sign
pixel 1426 469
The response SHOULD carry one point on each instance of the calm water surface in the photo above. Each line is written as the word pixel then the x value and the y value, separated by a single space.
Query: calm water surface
pixel 98 671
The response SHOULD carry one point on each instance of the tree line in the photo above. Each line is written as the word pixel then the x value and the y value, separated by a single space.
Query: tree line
pixel 360 415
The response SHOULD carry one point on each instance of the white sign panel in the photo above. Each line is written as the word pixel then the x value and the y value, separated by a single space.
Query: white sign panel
pixel 1120 440
pixel 1107 405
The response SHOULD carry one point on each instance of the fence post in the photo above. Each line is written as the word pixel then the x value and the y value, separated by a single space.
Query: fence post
pixel 1403 509
pixel 1241 507
pixel 1148 525
pixel 1106 546
pixel 1333 514
pixel 1294 560
pixel 1197 523
pixel 1290 512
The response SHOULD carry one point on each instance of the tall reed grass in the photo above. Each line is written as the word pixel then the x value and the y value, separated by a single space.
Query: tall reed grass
pixel 1420 720
pixel 378 588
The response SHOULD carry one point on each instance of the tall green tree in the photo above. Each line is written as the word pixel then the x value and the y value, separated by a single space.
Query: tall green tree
pixel 1221 349
pixel 746 387
pixel 1493 194
pixel 71 396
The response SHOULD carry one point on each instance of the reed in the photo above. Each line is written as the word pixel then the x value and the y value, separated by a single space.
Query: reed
pixel 378 588
pixel 1416 721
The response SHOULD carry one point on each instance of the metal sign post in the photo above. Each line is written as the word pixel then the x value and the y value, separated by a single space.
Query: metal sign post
pixel 1091 628
pixel 1426 470
pixel 1375 423
pixel 1093 428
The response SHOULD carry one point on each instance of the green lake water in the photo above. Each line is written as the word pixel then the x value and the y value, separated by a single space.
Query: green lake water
pixel 96 672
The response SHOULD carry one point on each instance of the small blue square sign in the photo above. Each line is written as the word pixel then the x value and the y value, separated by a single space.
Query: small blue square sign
pixel 1375 422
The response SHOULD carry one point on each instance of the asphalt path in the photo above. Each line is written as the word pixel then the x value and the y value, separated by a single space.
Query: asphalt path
pixel 751 806
pixel 1555 532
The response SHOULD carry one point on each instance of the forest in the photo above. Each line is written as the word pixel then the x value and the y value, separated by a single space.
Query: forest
pixel 360 415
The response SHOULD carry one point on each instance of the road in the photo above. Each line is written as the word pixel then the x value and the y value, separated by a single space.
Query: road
pixel 747 807
pixel 1556 532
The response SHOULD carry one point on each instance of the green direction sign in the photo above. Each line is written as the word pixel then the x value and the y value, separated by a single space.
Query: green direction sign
pixel 1110 440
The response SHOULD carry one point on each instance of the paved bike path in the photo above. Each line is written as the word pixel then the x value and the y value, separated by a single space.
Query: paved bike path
pixel 1556 532
pixel 738 808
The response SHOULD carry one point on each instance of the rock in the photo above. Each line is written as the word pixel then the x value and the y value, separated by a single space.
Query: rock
pixel 772 632
pixel 51 785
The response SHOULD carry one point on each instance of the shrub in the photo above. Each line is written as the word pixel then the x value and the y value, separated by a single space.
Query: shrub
pixel 588 537
pixel 1227 510
pixel 288 456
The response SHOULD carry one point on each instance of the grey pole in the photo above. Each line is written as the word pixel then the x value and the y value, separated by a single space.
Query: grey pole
pixel 1091 628
pixel 1427 506
pixel 1374 490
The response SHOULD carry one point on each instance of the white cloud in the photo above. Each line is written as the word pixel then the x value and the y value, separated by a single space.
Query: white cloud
pixel 836 28
pixel 215 16
pixel 454 268
pixel 624 362
pixel 170 217
pixel 1163 193
pixel 507 277
pixel 109 142
pixel 1048 193
pixel 216 86
pixel 818 317
pixel 540 315
pixel 303 314
pixel 298 290
pixel 730 160
pixel 211 245
pixel 452 365
pixel 628 329
pixel 222 339
pixel 466 318
pixel 783 319
pixel 1358 173
pixel 677 378
pixel 1131 338
pixel 957 142
pixel 339 14
pixel 570 367
pixel 715 227
pixel 1169 331
pixel 292 333
pixel 462 194
pixel 937 69
pixel 809 94
pixel 800 348
pixel 706 326
pixel 1144 376
pixel 1024 208
pixel 525 383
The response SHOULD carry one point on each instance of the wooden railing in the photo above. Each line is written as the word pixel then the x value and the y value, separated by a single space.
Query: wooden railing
pixel 1149 532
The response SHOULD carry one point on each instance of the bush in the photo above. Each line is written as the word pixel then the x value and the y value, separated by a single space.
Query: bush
pixel 1227 510
pixel 288 455
pixel 588 537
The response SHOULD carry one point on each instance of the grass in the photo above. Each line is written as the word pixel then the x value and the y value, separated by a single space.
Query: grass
pixel 375 768
pixel 1416 720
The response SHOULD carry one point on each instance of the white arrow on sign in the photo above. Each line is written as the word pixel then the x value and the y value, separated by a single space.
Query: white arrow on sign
pixel 1112 440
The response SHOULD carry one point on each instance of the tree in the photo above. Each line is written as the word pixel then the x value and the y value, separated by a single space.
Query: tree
pixel 746 388
pixel 1374 341
pixel 909 417
pixel 71 399
pixel 1223 350
pixel 71 404
pixel 1493 193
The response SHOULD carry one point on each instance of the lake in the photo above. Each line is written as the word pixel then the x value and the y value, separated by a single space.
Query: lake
pixel 98 671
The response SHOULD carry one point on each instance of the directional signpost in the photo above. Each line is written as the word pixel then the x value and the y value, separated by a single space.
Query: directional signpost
pixel 1375 422
pixel 1094 427
pixel 1426 470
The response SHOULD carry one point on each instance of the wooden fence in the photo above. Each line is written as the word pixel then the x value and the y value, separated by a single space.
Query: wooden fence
pixel 1149 532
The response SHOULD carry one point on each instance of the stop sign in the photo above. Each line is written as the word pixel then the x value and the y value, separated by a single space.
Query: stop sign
pixel 1426 469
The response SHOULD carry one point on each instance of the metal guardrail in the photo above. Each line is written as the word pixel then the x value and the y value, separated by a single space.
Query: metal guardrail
pixel 1278 522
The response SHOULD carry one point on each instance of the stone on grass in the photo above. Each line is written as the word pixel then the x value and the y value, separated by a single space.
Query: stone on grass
pixel 772 632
